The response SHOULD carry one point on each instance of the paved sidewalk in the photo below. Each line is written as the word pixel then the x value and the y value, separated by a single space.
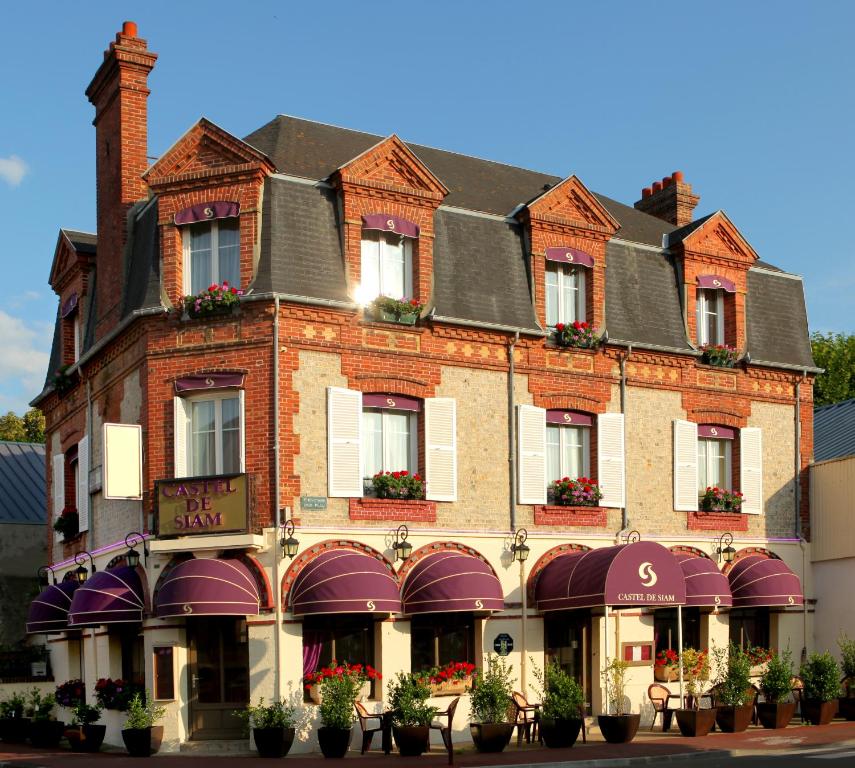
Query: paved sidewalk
pixel 646 748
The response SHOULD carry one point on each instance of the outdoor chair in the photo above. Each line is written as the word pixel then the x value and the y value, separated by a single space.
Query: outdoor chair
pixel 660 697
pixel 526 718
pixel 368 730
pixel 797 685
pixel 445 729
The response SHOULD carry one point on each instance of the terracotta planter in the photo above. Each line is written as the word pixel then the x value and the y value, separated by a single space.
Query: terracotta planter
pixel 558 734
pixel 316 698
pixel 46 733
pixel 695 722
pixel 491 737
pixel 618 729
pixel 273 742
pixel 15 730
pixel 411 740
pixel 665 674
pixel 451 687
pixel 334 742
pixel 846 707
pixel 775 715
pixel 86 738
pixel 818 712
pixel 734 719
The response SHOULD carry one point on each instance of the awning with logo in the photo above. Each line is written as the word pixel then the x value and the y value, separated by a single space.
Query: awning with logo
pixel 706 585
pixel 49 611
pixel 451 580
pixel 762 581
pixel 208 587
pixel 115 596
pixel 626 575
pixel 345 581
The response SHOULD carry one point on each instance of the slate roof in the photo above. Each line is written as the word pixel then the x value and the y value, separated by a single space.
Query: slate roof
pixel 834 431
pixel 776 319
pixel 22 483
pixel 84 242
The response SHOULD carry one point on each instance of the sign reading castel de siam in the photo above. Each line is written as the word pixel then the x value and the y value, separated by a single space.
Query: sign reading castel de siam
pixel 201 505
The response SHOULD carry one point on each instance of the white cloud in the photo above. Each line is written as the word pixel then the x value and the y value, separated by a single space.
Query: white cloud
pixel 25 353
pixel 12 170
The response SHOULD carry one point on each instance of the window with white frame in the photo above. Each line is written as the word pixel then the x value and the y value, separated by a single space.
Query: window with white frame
pixel 710 315
pixel 568 452
pixel 565 294
pixel 211 254
pixel 214 444
pixel 390 441
pixel 387 266
pixel 714 464
pixel 76 331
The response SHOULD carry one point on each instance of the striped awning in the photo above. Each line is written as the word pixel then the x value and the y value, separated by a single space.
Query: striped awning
pixel 345 581
pixel 208 587
pixel 758 580
pixel 116 596
pixel 706 585
pixel 49 611
pixel 451 580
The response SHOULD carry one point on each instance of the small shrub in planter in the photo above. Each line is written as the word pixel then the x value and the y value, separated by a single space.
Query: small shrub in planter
pixel 734 697
pixel 847 663
pixel 338 691
pixel 45 731
pixel 398 485
pixel 777 710
pixel 14 727
pixel 561 705
pixel 411 714
pixel 717 499
pixel 489 705
pixel 139 728
pixel 68 523
pixel 577 334
pixel 84 734
pixel 620 727
pixel 821 677
pixel 391 310
pixel 695 721
pixel 581 492
pixel 719 355
pixel 272 727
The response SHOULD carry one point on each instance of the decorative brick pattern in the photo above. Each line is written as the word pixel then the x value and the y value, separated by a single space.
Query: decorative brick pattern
pixel 545 514
pixel 716 521
pixel 393 510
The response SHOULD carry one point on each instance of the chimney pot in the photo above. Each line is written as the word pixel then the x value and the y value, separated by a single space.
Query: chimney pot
pixel 129 29
pixel 666 181
pixel 657 187
pixel 646 192
pixel 677 176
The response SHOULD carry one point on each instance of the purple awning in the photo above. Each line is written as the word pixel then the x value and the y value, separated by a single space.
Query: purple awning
pixel 69 305
pixel 220 209
pixel 389 223
pixel 345 581
pixel 209 381
pixel 567 255
pixel 450 580
pixel 49 611
pixel 116 596
pixel 574 418
pixel 757 581
pixel 716 282
pixel 642 573
pixel 706 585
pixel 207 587
pixel 395 402
pixel 711 430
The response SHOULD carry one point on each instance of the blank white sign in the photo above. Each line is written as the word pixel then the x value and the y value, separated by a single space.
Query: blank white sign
pixel 122 461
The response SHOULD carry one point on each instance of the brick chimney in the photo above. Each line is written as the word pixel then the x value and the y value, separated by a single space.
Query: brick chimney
pixel 118 92
pixel 670 199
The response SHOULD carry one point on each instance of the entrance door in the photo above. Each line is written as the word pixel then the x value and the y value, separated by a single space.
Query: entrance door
pixel 568 641
pixel 219 676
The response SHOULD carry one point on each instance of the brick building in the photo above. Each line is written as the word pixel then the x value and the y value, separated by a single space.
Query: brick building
pixel 287 402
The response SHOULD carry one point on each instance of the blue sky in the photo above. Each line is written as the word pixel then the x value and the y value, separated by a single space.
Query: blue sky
pixel 752 100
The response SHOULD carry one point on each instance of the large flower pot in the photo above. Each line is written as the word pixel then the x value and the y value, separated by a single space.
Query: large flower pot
pixel 665 674
pixel 558 733
pixel 411 740
pixel 775 715
pixel 46 733
pixel 846 707
pixel 86 738
pixel 137 741
pixel 15 730
pixel 618 729
pixel 734 719
pixel 491 737
pixel 334 742
pixel 273 742
pixel 818 712
pixel 695 722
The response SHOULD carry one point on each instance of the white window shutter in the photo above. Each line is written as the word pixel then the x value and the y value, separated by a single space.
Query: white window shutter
pixel 685 466
pixel 531 455
pixel 751 470
pixel 344 442
pixel 58 483
pixel 242 401
pixel 611 460
pixel 441 448
pixel 83 484
pixel 182 418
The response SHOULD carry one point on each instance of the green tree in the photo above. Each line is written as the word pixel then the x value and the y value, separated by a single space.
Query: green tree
pixel 835 352
pixel 34 424
pixel 29 428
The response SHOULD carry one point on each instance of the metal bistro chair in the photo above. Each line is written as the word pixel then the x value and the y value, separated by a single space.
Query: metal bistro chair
pixel 445 730
pixel 660 697
pixel 526 718
pixel 797 686
pixel 368 730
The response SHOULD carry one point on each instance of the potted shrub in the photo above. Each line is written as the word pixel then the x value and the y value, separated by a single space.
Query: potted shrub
pixel 490 703
pixel 734 701
pixel 581 492
pixel 404 311
pixel 14 727
pixel 561 706
pixel 665 668
pixel 45 731
pixel 139 734
pixel 339 690
pixel 694 721
pixel 821 677
pixel 411 714
pixel 84 734
pixel 621 726
pixel 776 684
pixel 847 662
pixel 577 334
pixel 272 727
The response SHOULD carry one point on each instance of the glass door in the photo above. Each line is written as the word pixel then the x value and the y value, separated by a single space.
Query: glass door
pixel 568 641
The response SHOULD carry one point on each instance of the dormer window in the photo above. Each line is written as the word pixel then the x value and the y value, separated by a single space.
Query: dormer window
pixel 710 311
pixel 211 254
pixel 387 266
pixel 565 294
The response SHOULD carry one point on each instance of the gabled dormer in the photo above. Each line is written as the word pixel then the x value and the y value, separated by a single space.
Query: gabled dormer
pixel 209 186
pixel 389 197
pixel 569 229
pixel 73 261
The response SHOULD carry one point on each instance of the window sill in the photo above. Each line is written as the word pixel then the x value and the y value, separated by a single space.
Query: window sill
pixel 716 521
pixel 231 311
pixel 552 344
pixel 407 510
pixel 550 514
pixel 370 322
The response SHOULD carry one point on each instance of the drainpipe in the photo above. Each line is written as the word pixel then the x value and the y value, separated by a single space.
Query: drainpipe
pixel 512 433
pixel 277 682
pixel 797 494
pixel 92 515
pixel 624 518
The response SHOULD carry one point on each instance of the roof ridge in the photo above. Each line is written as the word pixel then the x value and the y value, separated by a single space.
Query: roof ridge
pixel 828 406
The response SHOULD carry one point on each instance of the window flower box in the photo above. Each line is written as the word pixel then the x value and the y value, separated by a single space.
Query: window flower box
pixel 68 523
pixel 581 492
pixel 716 499
pixel 397 485
pixel 666 666
pixel 402 311
pixel 362 672
pixel 719 355
pixel 216 300
pixel 454 679
pixel 580 335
